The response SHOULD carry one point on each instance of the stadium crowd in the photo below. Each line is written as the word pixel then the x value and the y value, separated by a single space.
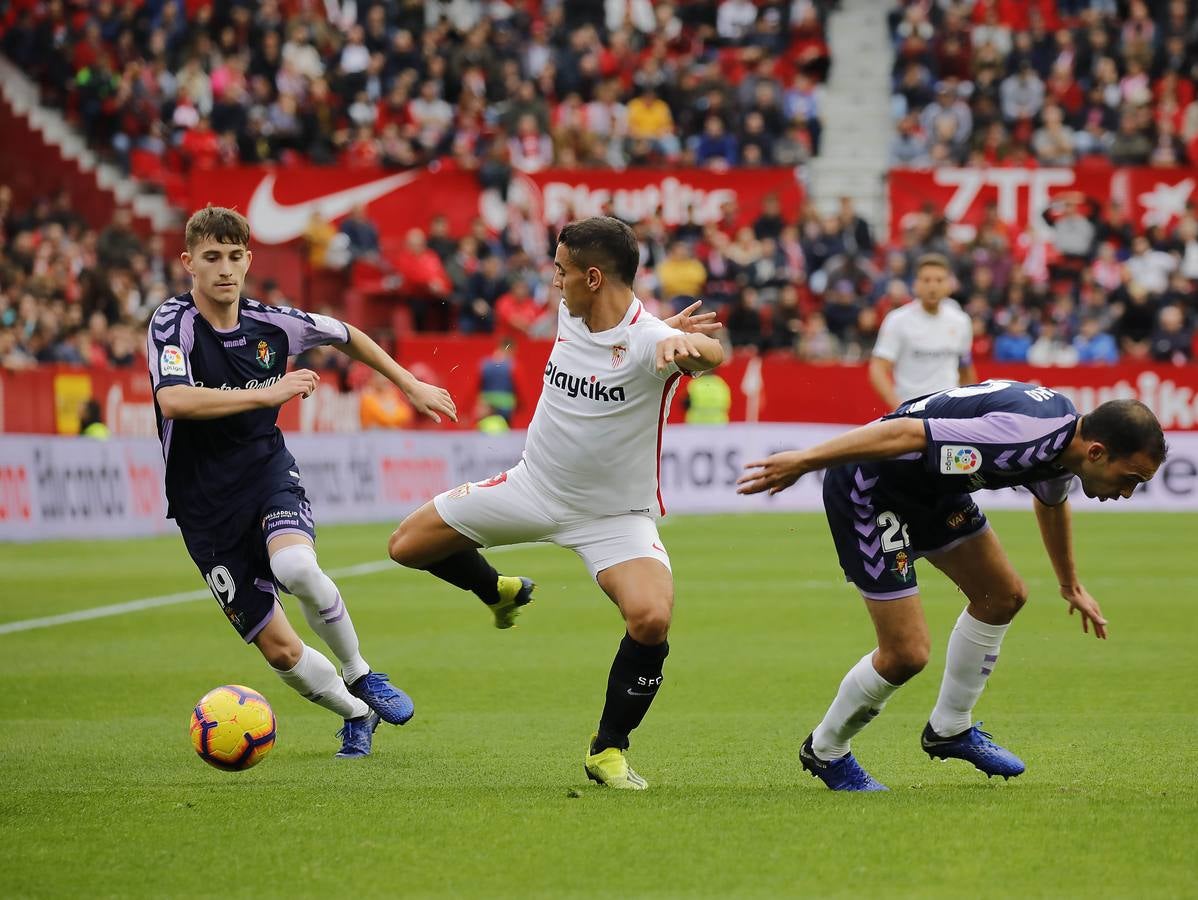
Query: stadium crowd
pixel 1048 82
pixel 495 90
pixel 172 85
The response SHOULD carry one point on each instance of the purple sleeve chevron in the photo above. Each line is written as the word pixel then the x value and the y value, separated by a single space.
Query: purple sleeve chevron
pixel 170 332
pixel 996 428
pixel 304 330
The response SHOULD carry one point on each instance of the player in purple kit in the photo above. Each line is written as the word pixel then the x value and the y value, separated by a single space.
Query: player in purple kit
pixel 218 369
pixel 899 488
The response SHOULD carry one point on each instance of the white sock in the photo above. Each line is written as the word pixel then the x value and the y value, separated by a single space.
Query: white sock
pixel 300 574
pixel 861 697
pixel 315 678
pixel 971 657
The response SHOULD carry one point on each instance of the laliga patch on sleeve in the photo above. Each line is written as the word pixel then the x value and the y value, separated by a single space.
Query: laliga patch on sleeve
pixel 171 362
pixel 959 459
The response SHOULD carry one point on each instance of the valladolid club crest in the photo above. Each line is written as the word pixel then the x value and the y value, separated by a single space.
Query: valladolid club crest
pixel 265 355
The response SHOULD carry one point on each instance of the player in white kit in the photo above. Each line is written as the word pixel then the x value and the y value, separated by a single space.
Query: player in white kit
pixel 588 479
pixel 924 347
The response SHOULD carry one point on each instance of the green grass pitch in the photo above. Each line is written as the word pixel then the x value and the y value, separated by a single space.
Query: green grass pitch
pixel 483 793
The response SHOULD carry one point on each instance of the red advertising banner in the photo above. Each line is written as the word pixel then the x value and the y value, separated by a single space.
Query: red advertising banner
pixel 279 202
pixel 1150 196
pixel 773 389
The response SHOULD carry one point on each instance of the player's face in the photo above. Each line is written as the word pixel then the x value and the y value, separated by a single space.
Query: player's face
pixel 1107 479
pixel 932 284
pixel 217 270
pixel 577 286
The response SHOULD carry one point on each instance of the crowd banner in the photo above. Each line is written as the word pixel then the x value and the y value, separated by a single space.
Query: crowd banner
pixel 62 487
pixel 780 389
pixel 1020 196
pixel 279 202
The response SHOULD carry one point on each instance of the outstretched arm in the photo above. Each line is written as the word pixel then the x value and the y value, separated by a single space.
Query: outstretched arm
pixel 427 399
pixel 1056 530
pixel 878 440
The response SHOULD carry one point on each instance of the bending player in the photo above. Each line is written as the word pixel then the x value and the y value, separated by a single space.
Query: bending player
pixel 218 369
pixel 589 476
pixel 899 488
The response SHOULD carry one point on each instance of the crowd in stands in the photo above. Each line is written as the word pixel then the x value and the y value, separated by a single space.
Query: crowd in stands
pixel 1045 82
pixel 170 85
pixel 1085 285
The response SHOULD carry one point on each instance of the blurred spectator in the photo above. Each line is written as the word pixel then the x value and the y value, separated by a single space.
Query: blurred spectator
pixel 497 380
pixel 1137 322
pixel 383 405
pixel 91 421
pixel 1093 345
pixel 482 289
pixel 1149 267
pixel 680 274
pixel 519 314
pixel 1171 340
pixel 1050 348
pixel 318 237
pixel 1013 342
pixel 362 234
pixel 744 322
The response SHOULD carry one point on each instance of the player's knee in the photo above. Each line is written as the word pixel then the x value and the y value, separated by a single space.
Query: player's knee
pixel 296 569
pixel 1018 596
pixel 282 653
pixel 902 663
pixel 650 626
pixel 1002 606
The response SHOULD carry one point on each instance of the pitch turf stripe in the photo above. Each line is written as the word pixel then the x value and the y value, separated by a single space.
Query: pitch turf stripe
pixel 119 609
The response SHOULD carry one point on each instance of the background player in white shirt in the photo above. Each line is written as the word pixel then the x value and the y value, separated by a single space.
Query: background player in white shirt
pixel 924 347
pixel 589 476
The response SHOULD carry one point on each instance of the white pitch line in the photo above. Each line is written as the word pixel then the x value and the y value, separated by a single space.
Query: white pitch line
pixel 119 609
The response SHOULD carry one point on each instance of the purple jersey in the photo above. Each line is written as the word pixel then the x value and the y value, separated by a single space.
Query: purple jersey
pixel 216 466
pixel 987 436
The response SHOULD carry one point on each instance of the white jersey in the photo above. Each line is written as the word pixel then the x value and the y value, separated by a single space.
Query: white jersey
pixel 594 443
pixel 927 350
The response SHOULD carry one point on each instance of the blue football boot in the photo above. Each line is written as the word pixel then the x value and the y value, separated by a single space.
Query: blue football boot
pixel 376 691
pixel 843 774
pixel 975 746
pixel 357 735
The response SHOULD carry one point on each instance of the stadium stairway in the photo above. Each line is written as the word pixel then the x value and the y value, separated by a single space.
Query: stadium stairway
pixel 856 114
pixel 49 128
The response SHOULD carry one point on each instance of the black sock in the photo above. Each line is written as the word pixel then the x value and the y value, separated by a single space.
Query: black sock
pixel 469 571
pixel 631 686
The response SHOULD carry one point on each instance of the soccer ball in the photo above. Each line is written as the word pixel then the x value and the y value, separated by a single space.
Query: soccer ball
pixel 232 727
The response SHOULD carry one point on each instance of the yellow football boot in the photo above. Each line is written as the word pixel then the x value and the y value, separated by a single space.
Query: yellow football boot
pixel 610 767
pixel 514 592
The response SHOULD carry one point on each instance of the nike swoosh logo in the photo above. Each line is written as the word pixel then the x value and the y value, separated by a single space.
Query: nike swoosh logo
pixel 562 340
pixel 656 547
pixel 632 693
pixel 275 223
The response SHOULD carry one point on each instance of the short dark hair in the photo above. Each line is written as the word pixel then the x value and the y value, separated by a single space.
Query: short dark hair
pixel 605 243
pixel 938 260
pixel 218 223
pixel 1126 427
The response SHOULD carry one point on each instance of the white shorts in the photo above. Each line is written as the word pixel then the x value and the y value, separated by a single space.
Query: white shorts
pixel 511 509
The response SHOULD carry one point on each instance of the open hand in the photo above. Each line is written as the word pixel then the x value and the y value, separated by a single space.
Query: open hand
pixel 704 323
pixel 676 347
pixel 1080 601
pixel 774 473
pixel 432 401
